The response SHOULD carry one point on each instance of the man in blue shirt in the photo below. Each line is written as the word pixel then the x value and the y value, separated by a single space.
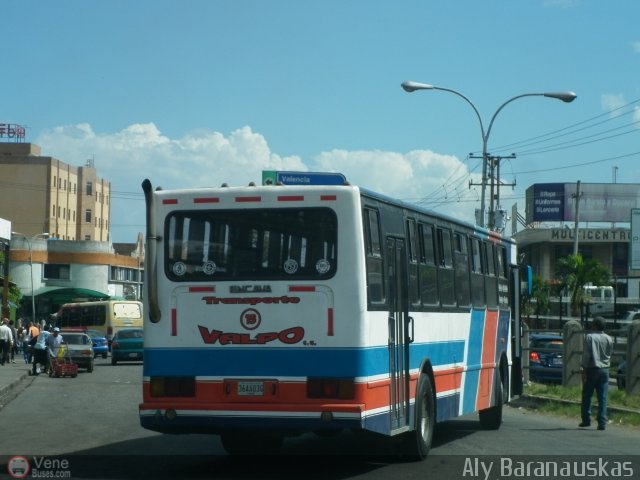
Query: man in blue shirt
pixel 596 359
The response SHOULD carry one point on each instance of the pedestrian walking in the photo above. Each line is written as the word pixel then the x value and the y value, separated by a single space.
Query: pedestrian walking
pixel 14 342
pixel 596 359
pixel 39 345
pixel 6 341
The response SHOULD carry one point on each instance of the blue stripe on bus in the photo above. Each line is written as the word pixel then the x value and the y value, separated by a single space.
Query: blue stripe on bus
pixel 292 362
pixel 474 357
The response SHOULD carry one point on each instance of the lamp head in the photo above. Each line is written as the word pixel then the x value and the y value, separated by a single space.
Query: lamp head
pixel 566 97
pixel 413 86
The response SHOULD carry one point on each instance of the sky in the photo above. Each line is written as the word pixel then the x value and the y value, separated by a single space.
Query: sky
pixel 196 93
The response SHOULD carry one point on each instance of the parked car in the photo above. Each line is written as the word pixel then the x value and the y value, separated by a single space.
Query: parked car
pixel 79 348
pixel 621 378
pixel 545 358
pixel 100 343
pixel 127 345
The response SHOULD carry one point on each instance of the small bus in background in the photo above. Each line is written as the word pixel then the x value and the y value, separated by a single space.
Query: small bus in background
pixel 105 316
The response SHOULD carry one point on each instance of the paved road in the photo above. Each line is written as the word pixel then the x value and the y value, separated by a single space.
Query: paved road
pixel 95 415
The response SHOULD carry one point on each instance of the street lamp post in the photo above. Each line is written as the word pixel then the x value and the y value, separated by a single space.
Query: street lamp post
pixel 564 96
pixel 28 240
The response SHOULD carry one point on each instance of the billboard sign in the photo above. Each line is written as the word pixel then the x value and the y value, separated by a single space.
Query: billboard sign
pixel 545 202
pixel 599 202
pixel 13 132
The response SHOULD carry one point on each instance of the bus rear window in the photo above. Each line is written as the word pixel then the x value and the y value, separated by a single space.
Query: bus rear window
pixel 250 244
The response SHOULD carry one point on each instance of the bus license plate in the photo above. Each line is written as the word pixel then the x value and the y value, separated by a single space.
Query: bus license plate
pixel 251 389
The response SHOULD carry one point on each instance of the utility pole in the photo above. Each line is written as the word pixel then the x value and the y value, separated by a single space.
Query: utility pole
pixel 493 166
pixel 576 196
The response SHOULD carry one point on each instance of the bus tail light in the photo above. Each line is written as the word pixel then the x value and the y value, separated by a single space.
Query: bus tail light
pixel 343 389
pixel 534 357
pixel 172 386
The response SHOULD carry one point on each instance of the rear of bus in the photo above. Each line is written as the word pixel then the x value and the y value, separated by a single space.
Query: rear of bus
pixel 103 316
pixel 123 314
pixel 253 309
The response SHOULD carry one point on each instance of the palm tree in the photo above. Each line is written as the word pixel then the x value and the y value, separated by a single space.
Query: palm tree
pixel 538 302
pixel 576 272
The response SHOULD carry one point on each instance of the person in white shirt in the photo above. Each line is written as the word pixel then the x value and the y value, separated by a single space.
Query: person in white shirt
pixel 54 341
pixel 6 341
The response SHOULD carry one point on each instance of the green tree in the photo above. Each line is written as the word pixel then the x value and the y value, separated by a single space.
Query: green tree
pixel 575 272
pixel 538 302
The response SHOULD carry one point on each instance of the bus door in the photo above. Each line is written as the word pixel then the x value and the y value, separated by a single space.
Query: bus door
pixel 399 330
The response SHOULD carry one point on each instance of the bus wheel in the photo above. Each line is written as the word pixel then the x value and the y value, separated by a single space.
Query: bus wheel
pixel 417 443
pixel 238 443
pixel 491 418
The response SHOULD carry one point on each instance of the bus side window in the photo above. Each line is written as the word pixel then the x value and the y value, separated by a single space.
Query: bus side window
pixel 446 286
pixel 477 274
pixel 412 252
pixel 491 282
pixel 461 265
pixel 375 277
pixel 428 272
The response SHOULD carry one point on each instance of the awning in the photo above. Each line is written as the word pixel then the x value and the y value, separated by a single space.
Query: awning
pixel 61 295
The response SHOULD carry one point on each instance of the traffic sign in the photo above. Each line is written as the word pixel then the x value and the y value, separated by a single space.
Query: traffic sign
pixel 271 177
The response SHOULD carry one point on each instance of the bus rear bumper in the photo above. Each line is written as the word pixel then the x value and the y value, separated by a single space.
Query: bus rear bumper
pixel 185 420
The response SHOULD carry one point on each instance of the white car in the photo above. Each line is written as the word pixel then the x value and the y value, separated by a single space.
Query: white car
pixel 624 322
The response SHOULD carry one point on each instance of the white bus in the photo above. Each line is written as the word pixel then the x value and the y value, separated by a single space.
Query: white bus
pixel 277 310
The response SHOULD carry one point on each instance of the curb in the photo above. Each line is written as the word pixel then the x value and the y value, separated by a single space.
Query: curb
pixel 537 400
pixel 8 392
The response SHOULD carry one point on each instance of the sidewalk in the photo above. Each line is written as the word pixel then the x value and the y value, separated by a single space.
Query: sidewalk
pixel 11 375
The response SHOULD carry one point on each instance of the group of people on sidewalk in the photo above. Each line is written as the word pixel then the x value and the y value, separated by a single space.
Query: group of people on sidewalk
pixel 44 345
pixel 37 345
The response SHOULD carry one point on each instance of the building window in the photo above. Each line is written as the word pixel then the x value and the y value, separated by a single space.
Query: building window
pixel 55 181
pixel 56 271
pixel 89 189
pixel 87 237
pixel 87 215
pixel 65 185
pixel 53 212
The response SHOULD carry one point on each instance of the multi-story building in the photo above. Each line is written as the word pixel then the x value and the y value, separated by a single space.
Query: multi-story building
pixel 61 248
pixel 43 194
pixel 596 219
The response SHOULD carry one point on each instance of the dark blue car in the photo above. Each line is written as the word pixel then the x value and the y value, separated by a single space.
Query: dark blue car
pixel 545 358
pixel 100 343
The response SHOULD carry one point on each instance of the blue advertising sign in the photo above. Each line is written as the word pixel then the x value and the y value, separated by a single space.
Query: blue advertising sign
pixel 302 178
pixel 546 202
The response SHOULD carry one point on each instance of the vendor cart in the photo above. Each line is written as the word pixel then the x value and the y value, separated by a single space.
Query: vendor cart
pixel 62 366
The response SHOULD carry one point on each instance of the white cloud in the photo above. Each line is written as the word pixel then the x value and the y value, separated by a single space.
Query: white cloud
pixel 205 158
pixel 611 101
